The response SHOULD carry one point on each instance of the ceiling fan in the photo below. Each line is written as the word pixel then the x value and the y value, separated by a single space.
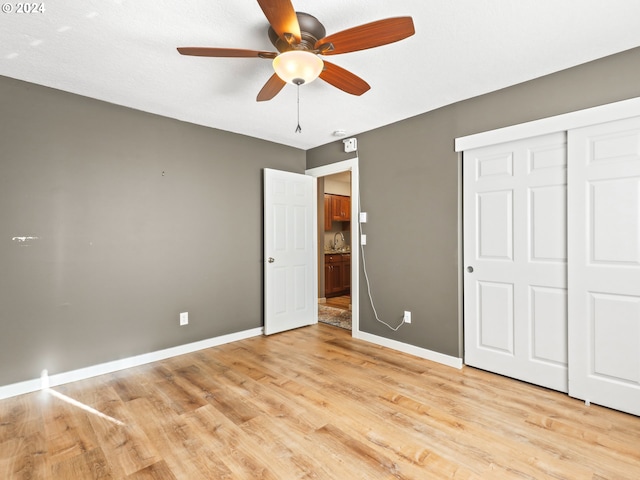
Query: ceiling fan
pixel 300 39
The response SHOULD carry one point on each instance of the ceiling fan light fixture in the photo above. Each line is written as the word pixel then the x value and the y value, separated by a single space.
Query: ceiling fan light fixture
pixel 298 66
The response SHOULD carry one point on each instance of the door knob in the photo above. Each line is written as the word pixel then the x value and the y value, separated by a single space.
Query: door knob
pixel 470 269
pixel 271 260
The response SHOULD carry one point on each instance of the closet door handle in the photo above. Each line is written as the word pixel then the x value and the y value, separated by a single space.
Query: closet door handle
pixel 470 269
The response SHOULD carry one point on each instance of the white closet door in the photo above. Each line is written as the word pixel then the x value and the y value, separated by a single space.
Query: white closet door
pixel 515 284
pixel 604 259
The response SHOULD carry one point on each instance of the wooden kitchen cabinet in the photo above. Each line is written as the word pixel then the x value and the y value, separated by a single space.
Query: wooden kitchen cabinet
pixel 337 274
pixel 346 272
pixel 327 212
pixel 340 208
pixel 337 208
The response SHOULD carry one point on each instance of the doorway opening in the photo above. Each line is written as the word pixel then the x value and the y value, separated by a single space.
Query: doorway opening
pixel 334 292
pixel 338 238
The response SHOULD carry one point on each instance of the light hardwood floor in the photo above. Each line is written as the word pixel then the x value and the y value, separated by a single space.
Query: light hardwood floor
pixel 311 403
pixel 343 302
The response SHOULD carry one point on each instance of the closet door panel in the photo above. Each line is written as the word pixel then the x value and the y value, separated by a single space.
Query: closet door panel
pixel 616 336
pixel 495 319
pixel 548 224
pixel 495 225
pixel 549 325
pixel 604 264
pixel 616 231
pixel 515 316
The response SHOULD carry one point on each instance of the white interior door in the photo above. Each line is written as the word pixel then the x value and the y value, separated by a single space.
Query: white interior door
pixel 515 254
pixel 604 274
pixel 290 282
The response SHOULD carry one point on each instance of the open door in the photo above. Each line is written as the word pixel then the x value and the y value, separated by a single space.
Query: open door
pixel 290 281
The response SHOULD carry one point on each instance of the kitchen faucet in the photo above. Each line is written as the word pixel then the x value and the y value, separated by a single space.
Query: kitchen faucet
pixel 335 240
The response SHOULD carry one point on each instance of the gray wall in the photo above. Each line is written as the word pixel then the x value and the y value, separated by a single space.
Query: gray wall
pixel 409 185
pixel 121 249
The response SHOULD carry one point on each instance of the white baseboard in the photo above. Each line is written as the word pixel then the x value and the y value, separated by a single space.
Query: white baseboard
pixel 29 386
pixel 411 349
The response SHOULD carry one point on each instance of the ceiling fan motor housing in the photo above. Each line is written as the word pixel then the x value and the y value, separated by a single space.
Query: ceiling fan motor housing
pixel 311 31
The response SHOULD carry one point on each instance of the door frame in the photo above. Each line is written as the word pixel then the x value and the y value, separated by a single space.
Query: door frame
pixel 350 165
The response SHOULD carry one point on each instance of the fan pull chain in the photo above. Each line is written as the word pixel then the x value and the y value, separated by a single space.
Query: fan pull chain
pixel 298 128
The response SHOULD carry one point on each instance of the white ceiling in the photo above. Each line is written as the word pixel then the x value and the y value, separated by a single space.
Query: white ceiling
pixel 124 52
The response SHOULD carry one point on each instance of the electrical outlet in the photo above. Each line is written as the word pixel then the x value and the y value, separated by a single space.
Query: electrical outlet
pixel 184 318
pixel 407 316
pixel 363 239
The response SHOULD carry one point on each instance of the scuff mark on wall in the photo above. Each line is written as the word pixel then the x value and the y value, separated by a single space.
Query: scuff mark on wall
pixel 25 241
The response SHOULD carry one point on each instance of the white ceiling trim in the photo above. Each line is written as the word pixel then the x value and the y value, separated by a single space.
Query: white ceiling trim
pixel 558 123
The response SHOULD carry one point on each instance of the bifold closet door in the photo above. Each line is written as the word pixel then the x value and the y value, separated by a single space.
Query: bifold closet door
pixel 515 254
pixel 604 264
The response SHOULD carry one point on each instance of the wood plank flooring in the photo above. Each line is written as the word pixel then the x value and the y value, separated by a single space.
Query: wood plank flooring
pixel 312 403
pixel 343 302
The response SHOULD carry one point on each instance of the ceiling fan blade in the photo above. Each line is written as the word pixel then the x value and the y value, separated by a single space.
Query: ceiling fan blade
pixel 375 34
pixel 271 88
pixel 282 18
pixel 343 79
pixel 224 52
